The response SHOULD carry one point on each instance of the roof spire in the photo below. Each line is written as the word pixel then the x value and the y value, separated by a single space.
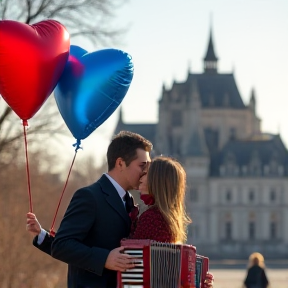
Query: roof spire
pixel 210 60
pixel 252 102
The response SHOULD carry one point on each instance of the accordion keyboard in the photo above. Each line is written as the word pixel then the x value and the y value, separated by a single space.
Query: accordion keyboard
pixel 133 278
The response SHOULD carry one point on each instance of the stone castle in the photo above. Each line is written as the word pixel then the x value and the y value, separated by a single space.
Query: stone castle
pixel 237 193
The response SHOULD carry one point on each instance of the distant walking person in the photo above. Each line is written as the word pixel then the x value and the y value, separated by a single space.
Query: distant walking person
pixel 256 276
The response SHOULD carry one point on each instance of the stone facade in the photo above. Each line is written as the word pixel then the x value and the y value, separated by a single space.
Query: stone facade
pixel 237 190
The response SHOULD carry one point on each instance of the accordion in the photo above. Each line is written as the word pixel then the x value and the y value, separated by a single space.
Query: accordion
pixel 162 265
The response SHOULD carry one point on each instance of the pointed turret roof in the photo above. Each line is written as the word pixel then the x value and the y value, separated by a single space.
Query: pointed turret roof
pixel 210 55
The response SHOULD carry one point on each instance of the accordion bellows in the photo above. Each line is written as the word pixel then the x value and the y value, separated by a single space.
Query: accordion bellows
pixel 162 265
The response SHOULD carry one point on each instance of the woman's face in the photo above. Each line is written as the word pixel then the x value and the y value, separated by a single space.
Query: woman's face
pixel 143 184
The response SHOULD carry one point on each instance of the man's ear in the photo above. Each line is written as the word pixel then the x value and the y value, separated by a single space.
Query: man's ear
pixel 120 164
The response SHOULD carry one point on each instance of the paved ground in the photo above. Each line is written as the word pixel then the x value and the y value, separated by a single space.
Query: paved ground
pixel 233 278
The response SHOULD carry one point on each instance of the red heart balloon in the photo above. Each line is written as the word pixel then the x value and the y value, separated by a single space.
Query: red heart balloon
pixel 32 59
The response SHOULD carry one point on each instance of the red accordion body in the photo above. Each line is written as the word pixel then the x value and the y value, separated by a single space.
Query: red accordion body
pixel 162 265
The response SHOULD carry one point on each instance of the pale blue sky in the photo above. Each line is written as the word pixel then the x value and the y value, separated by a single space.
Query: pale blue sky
pixel 165 37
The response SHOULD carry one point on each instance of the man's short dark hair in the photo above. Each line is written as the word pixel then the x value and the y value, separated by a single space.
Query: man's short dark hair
pixel 124 145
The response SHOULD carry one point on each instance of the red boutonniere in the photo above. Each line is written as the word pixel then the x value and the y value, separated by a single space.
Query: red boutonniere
pixel 134 218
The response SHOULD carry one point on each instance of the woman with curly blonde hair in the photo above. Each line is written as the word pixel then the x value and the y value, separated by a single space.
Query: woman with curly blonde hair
pixel 256 276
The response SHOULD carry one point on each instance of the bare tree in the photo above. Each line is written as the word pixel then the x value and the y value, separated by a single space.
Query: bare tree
pixel 22 265
pixel 91 19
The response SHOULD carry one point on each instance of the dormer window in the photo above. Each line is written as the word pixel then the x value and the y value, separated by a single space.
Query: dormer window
pixel 280 170
pixel 244 170
pixel 222 170
pixel 255 164
pixel 274 163
pixel 266 170
pixel 230 164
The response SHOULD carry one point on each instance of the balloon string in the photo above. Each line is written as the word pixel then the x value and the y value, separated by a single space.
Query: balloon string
pixel 25 124
pixel 52 232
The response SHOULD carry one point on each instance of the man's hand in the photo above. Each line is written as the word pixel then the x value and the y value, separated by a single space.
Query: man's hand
pixel 119 261
pixel 33 226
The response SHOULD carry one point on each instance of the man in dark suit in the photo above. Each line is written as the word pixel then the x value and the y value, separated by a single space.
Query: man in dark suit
pixel 96 219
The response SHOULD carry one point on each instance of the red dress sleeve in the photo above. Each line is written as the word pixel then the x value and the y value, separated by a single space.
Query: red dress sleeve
pixel 152 225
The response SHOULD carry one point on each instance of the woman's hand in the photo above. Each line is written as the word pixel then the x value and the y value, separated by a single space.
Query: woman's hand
pixel 208 283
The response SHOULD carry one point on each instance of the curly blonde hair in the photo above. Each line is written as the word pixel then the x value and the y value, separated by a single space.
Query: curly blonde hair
pixel 256 258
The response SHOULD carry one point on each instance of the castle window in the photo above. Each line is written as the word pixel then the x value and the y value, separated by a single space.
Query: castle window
pixel 228 230
pixel 176 118
pixel 212 138
pixel 273 230
pixel 251 195
pixel 194 194
pixel 273 226
pixel 266 170
pixel 228 196
pixel 280 170
pixel 272 195
pixel 236 171
pixel 244 170
pixel 210 65
pixel 251 231
pixel 222 170
pixel 255 164
pixel 274 164
pixel 193 232
pixel 230 164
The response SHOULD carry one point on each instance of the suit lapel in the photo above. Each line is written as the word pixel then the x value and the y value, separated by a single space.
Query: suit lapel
pixel 113 198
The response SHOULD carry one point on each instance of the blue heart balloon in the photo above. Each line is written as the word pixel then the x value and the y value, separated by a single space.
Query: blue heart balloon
pixel 91 87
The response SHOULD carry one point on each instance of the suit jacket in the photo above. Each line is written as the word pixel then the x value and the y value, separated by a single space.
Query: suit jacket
pixel 45 246
pixel 93 225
